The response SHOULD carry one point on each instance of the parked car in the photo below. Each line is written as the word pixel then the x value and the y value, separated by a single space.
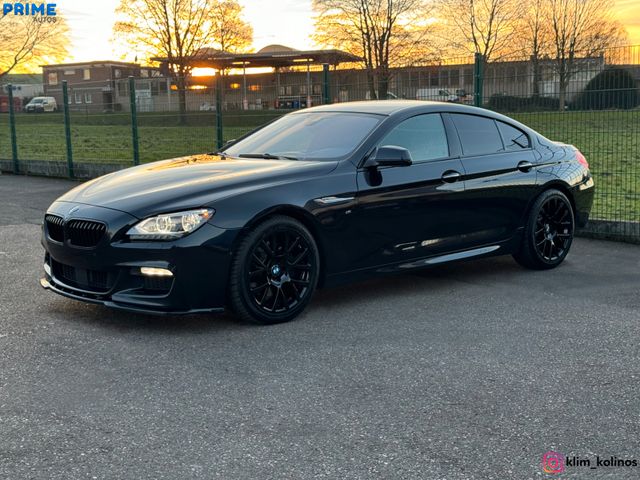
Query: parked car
pixel 41 104
pixel 207 107
pixel 458 95
pixel 390 96
pixel 318 197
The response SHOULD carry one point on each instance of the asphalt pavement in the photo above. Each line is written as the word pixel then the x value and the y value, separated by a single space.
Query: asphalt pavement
pixel 465 371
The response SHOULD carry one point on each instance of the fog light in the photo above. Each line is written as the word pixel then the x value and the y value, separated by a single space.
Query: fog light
pixel 156 272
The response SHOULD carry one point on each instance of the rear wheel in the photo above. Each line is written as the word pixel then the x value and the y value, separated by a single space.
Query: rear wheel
pixel 274 272
pixel 549 232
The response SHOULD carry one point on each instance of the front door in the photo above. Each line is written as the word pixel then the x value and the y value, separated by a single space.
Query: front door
pixel 404 213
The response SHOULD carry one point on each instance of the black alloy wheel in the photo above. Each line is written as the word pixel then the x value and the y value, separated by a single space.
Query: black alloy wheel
pixel 274 272
pixel 549 232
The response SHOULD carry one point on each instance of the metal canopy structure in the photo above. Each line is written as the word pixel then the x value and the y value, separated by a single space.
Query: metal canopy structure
pixel 274 56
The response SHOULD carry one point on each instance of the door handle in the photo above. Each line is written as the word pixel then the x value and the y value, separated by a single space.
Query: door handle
pixel 525 166
pixel 451 176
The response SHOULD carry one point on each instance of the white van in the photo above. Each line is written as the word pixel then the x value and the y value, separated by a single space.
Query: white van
pixel 41 104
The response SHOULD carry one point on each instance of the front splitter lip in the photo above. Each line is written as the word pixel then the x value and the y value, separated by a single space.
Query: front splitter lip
pixel 48 285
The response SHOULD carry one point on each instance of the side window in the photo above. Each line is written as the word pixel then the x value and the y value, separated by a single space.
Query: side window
pixel 478 135
pixel 423 135
pixel 514 138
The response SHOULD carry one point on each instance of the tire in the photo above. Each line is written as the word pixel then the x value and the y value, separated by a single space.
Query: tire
pixel 548 233
pixel 274 272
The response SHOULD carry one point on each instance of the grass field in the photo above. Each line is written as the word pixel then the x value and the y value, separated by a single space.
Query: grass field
pixel 610 140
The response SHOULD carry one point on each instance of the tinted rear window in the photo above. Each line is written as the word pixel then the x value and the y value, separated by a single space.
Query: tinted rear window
pixel 514 138
pixel 478 135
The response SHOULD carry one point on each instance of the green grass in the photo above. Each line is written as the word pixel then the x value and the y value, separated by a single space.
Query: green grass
pixel 610 140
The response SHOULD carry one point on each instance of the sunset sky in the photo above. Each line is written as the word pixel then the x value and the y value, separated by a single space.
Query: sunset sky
pixel 287 22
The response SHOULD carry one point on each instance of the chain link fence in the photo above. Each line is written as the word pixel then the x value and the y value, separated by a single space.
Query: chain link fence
pixel 97 126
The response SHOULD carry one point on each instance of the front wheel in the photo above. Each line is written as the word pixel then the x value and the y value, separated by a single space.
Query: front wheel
pixel 274 272
pixel 549 232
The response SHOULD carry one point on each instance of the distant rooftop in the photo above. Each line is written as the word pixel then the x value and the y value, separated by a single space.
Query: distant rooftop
pixel 93 63
pixel 22 78
pixel 269 56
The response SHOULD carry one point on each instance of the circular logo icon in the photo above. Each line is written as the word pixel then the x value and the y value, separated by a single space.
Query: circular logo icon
pixel 553 462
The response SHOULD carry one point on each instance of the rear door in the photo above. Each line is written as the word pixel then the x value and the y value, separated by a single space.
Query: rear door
pixel 500 178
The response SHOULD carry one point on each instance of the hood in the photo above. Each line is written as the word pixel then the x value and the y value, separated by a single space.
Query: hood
pixel 188 182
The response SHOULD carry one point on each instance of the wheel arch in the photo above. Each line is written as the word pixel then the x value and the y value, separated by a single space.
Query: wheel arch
pixel 561 186
pixel 551 185
pixel 297 213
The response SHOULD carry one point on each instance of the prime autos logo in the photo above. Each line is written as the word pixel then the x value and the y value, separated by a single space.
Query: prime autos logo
pixel 41 12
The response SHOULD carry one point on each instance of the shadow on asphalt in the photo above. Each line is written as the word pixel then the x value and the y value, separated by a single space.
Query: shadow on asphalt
pixel 436 278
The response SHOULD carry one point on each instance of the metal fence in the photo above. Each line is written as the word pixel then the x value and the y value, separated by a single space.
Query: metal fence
pixel 98 127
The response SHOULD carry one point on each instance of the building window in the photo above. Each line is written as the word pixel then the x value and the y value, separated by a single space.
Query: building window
pixel 117 73
pixel 78 97
pixel 144 73
pixel 53 78
pixel 69 72
pixel 255 88
pixel 317 89
pixel 86 74
pixel 88 98
pixel 123 89
pixel 454 78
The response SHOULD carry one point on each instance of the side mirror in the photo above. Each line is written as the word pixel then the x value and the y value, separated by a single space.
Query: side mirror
pixel 390 156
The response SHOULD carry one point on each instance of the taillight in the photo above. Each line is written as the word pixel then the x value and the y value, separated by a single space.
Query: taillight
pixel 581 159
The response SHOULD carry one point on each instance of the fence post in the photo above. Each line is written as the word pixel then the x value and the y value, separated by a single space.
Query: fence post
pixel 219 129
pixel 67 128
pixel 134 121
pixel 478 79
pixel 12 129
pixel 326 91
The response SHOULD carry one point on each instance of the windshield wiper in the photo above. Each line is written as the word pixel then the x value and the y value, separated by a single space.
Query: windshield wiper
pixel 219 154
pixel 267 156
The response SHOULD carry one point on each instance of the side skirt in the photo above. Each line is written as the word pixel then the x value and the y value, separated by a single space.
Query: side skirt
pixel 502 248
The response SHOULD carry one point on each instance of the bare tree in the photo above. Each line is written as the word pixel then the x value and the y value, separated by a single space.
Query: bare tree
pixel 28 41
pixel 579 29
pixel 486 27
pixel 230 33
pixel 177 30
pixel 383 33
pixel 536 33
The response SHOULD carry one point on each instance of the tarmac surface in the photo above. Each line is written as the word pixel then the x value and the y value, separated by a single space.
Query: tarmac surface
pixel 465 371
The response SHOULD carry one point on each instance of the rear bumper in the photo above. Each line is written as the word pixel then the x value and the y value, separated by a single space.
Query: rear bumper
pixel 583 197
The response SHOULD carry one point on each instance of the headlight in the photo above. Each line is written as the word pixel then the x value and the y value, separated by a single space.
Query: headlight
pixel 170 226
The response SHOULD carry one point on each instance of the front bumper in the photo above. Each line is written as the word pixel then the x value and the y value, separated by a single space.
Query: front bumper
pixel 109 273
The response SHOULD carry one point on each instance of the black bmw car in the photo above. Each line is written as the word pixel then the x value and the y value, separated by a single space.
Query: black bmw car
pixel 320 196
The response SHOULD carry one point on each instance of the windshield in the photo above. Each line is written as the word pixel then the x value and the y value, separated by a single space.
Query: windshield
pixel 307 136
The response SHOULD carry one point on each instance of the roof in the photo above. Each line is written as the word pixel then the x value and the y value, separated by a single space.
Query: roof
pixel 269 56
pixel 93 64
pixel 23 78
pixel 391 107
